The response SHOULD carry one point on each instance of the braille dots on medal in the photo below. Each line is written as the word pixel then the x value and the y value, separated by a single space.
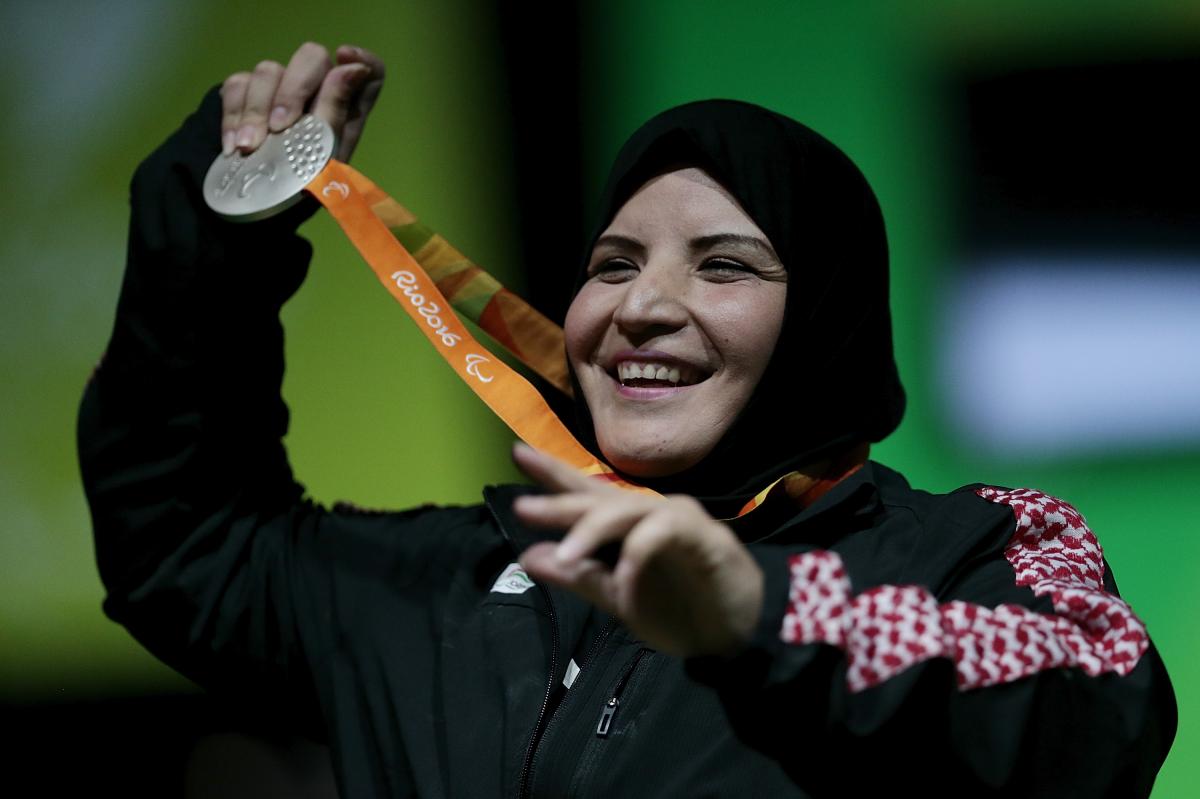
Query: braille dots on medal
pixel 303 148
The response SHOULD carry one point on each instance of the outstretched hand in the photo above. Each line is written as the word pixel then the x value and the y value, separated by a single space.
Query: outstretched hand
pixel 683 583
pixel 272 97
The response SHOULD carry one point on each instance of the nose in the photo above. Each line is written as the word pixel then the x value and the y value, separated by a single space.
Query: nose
pixel 653 302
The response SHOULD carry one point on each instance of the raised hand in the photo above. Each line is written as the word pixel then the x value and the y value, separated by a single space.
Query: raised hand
pixel 272 96
pixel 683 583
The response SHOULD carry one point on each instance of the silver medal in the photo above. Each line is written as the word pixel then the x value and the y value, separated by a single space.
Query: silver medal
pixel 244 188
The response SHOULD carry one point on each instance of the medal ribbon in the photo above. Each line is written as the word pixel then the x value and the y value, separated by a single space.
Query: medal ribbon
pixel 377 226
pixel 347 195
pixel 517 326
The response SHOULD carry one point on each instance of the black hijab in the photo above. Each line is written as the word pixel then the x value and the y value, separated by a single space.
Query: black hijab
pixel 832 381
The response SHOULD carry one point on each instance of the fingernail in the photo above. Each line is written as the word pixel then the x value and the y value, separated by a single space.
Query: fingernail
pixel 227 142
pixel 245 136
pixel 279 117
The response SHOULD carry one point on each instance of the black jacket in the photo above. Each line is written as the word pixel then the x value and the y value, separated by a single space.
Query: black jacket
pixel 883 659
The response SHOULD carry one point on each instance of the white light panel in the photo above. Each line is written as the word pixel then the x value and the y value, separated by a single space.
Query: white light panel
pixel 1045 358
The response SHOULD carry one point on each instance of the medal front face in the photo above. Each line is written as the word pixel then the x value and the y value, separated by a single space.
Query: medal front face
pixel 244 188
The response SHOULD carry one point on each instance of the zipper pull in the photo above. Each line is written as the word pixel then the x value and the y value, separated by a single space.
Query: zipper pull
pixel 606 717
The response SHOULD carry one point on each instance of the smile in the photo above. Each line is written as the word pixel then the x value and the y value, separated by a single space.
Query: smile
pixel 635 374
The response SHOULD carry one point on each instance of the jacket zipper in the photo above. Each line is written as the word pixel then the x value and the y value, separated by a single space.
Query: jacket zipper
pixel 597 641
pixel 523 786
pixel 606 631
pixel 537 727
pixel 614 702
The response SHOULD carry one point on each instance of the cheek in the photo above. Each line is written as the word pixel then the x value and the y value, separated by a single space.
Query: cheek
pixel 584 326
pixel 771 323
pixel 746 327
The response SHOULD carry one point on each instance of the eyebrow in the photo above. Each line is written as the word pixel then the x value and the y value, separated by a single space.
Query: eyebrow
pixel 708 242
pixel 696 244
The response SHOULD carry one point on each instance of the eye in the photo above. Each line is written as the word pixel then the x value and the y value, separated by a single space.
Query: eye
pixel 612 270
pixel 727 267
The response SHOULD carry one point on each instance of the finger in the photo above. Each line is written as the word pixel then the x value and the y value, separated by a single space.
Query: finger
pixel 592 520
pixel 680 520
pixel 349 53
pixel 263 85
pixel 299 84
pixel 553 473
pixel 556 511
pixel 588 578
pixel 368 93
pixel 607 521
pixel 333 101
pixel 688 583
pixel 680 526
pixel 653 533
pixel 233 99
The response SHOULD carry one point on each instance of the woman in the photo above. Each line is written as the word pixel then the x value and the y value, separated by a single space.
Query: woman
pixel 850 634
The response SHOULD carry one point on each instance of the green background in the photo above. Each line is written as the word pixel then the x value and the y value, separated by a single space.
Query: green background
pixel 376 418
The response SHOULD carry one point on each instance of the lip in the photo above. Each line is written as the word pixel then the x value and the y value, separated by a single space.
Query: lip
pixel 653 356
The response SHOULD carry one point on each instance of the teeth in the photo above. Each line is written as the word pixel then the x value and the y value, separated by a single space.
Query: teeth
pixel 628 370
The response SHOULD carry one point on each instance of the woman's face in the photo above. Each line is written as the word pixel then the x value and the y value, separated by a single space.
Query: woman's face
pixel 675 324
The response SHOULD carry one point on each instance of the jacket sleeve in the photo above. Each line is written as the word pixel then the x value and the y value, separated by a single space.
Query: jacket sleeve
pixel 208 553
pixel 1024 675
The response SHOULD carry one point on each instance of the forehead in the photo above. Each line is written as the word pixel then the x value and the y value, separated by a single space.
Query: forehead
pixel 684 198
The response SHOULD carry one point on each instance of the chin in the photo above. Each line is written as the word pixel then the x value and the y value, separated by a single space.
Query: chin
pixel 643 463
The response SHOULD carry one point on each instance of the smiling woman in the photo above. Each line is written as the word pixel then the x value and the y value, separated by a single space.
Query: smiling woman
pixel 779 617
pixel 675 324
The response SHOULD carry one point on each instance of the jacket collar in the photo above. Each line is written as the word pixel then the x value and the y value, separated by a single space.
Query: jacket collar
pixel 852 504
pixel 499 500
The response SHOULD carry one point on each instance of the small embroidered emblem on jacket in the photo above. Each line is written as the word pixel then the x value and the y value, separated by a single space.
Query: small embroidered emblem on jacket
pixel 513 580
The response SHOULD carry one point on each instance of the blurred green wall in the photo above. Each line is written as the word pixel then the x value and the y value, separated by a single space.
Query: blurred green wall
pixel 376 418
